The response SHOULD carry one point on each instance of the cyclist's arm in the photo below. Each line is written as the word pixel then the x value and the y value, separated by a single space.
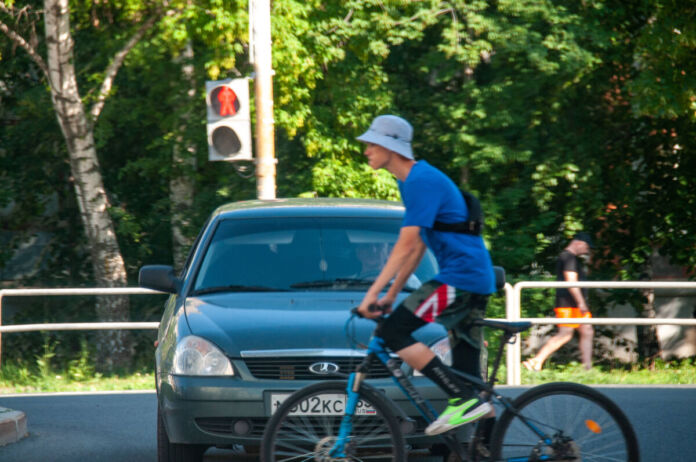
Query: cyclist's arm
pixel 402 261
pixel 410 264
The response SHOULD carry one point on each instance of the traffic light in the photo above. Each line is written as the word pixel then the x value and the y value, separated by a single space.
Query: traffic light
pixel 229 126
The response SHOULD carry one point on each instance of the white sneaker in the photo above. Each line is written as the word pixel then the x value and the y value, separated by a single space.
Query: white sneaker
pixel 459 412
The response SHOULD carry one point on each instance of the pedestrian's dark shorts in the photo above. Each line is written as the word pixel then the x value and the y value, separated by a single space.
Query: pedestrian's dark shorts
pixel 454 308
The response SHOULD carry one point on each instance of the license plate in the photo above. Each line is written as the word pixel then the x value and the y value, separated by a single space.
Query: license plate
pixel 325 404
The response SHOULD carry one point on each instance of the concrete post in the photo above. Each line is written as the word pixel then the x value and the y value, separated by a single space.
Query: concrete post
pixel 263 84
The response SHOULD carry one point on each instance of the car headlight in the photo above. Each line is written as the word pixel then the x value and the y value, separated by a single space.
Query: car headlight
pixel 443 351
pixel 197 356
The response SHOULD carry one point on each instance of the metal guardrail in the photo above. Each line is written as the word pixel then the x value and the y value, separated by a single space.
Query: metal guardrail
pixel 74 326
pixel 513 297
pixel 512 308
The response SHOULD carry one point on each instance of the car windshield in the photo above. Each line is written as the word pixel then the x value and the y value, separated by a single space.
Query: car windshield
pixel 297 253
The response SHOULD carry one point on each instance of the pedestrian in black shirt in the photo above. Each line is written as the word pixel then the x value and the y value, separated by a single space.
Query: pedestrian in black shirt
pixel 570 303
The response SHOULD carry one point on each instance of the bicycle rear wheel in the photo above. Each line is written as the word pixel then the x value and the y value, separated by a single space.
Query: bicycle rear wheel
pixel 297 432
pixel 580 424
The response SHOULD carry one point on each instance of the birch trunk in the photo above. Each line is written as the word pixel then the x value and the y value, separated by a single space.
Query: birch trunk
pixel 114 348
pixel 183 164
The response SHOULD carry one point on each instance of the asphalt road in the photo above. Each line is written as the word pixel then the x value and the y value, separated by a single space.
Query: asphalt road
pixel 121 426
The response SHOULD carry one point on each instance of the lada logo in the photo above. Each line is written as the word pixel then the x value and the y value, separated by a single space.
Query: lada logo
pixel 324 368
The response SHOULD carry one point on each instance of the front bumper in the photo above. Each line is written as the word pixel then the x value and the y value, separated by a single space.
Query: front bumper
pixel 222 411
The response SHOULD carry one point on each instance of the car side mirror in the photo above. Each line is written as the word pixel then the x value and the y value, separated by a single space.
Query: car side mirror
pixel 499 272
pixel 159 277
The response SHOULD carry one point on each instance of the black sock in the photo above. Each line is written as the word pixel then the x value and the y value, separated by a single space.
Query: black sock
pixel 445 379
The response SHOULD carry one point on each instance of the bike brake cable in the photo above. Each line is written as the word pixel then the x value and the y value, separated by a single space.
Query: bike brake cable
pixel 351 336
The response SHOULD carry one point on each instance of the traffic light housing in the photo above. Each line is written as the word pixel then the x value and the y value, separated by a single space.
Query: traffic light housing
pixel 229 126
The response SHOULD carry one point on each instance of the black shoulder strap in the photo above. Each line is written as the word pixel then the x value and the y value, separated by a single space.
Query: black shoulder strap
pixel 473 226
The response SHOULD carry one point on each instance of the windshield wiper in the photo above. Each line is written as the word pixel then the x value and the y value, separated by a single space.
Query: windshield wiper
pixel 340 283
pixel 235 288
pixel 332 282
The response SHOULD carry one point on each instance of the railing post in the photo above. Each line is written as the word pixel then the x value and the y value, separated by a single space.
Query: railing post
pixel 1 294
pixel 513 355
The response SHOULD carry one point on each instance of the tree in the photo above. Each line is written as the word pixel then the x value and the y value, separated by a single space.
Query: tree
pixel 76 123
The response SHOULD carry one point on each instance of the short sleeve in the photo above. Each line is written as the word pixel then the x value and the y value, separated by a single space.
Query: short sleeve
pixel 569 262
pixel 422 203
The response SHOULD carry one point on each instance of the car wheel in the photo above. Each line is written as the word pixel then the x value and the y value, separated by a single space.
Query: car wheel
pixel 170 452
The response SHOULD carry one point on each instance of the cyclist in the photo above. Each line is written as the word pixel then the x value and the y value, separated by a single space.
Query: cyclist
pixel 459 292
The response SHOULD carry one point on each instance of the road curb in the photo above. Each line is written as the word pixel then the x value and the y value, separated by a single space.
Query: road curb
pixel 13 426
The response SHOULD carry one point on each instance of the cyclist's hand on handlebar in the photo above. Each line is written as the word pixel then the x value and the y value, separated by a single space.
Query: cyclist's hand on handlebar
pixel 373 309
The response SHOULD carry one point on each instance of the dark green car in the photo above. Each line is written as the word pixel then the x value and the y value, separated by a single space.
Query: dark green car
pixel 261 309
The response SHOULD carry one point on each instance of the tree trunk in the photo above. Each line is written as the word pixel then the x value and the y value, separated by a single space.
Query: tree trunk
pixel 184 163
pixel 648 344
pixel 114 348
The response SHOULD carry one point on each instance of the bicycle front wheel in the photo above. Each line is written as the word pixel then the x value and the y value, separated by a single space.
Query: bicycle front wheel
pixel 306 427
pixel 578 423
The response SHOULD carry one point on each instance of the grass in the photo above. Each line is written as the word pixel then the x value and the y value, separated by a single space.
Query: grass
pixel 677 372
pixel 18 379
pixel 15 379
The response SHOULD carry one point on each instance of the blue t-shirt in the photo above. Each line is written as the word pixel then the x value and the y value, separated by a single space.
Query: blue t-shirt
pixel 430 196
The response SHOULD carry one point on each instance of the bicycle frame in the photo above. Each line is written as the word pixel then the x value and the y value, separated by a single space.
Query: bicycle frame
pixel 377 349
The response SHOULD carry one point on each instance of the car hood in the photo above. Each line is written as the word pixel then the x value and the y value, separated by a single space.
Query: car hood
pixel 274 321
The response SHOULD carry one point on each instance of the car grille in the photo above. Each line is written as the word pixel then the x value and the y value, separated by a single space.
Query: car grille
pixel 298 368
pixel 225 425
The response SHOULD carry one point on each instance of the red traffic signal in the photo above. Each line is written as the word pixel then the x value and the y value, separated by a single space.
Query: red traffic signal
pixel 229 127
pixel 224 101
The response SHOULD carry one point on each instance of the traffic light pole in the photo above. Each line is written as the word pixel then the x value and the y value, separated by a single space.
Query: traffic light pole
pixel 263 84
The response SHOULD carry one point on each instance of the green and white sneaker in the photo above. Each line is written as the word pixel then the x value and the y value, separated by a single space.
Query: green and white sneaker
pixel 459 412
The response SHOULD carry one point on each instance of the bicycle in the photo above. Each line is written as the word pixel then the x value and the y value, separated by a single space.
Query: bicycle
pixel 559 421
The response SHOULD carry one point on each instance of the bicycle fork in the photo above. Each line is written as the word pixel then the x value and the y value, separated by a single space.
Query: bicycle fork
pixel 344 431
pixel 355 380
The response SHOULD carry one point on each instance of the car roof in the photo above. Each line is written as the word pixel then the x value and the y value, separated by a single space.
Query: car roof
pixel 289 207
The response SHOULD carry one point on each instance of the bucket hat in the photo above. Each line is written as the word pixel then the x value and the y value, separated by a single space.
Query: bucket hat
pixel 390 132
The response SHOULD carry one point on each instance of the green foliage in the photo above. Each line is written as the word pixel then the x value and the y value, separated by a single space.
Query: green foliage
pixel 44 361
pixel 80 368
pixel 18 378
pixel 676 372
pixel 336 178
pixel 561 116
pixel 666 79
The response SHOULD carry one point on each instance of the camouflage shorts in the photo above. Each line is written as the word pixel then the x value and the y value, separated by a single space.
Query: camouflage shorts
pixel 454 308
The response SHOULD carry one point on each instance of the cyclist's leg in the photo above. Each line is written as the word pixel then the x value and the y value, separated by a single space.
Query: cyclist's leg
pixel 466 340
pixel 419 308
pixel 397 332
pixel 449 306
pixel 465 358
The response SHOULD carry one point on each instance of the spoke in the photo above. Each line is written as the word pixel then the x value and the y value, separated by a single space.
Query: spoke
pixel 308 456
pixel 565 416
pixel 311 437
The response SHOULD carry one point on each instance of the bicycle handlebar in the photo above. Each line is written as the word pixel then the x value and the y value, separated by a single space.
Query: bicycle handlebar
pixel 372 308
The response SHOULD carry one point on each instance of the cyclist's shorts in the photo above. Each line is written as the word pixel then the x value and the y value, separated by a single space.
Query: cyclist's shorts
pixel 570 312
pixel 454 308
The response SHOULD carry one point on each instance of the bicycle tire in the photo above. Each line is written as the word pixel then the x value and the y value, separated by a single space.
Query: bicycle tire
pixel 376 436
pixel 583 423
